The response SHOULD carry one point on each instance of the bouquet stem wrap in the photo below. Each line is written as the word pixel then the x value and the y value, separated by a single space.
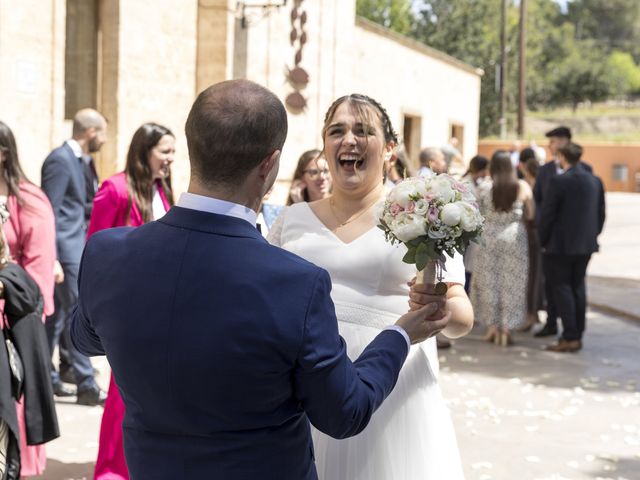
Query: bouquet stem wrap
pixel 428 274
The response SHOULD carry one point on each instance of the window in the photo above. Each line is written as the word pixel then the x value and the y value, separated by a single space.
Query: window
pixel 412 136
pixel 457 132
pixel 620 173
pixel 81 56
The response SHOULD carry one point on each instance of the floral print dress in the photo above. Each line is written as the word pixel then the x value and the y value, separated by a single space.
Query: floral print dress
pixel 501 266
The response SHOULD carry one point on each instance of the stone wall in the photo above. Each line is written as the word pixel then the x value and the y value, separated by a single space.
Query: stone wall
pixel 32 79
pixel 152 59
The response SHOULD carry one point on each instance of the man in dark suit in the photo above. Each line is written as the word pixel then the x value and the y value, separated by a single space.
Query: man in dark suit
pixel 573 213
pixel 64 175
pixel 558 138
pixel 223 346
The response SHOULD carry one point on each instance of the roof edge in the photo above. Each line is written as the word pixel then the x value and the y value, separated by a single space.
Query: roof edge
pixel 416 45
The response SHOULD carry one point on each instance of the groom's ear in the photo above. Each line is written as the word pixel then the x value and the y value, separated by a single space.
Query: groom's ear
pixel 269 163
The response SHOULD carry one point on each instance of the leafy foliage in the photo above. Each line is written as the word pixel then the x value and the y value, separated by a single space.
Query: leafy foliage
pixel 589 52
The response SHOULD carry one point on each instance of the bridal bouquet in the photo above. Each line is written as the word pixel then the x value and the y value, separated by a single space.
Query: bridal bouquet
pixel 431 216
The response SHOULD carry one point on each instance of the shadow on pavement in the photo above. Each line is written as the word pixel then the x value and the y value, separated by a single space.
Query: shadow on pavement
pixel 613 467
pixel 607 362
pixel 66 471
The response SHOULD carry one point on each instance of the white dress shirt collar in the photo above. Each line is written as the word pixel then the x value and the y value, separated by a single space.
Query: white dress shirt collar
pixel 215 205
pixel 75 148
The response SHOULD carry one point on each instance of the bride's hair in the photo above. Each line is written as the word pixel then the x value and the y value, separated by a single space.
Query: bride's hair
pixel 363 107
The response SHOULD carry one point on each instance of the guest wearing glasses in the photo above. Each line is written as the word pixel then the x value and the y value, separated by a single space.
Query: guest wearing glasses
pixel 311 180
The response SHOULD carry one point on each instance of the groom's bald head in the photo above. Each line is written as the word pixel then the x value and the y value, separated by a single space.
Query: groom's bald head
pixel 231 128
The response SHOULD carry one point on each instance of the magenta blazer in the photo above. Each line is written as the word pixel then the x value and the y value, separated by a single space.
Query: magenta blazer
pixel 111 202
pixel 31 236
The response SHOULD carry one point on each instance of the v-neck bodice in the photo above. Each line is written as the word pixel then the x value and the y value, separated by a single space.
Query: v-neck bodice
pixel 367 271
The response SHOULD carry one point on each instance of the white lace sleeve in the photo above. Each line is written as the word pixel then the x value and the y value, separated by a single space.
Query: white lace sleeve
pixel 275 232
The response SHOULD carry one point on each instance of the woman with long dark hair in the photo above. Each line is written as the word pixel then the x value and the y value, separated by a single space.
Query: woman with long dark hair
pixel 140 194
pixel 30 237
pixel 500 273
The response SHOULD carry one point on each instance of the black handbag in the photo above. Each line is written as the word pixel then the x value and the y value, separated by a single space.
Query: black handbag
pixel 16 367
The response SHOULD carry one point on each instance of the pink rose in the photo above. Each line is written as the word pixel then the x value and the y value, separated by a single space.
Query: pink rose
pixel 460 187
pixel 411 207
pixel 395 209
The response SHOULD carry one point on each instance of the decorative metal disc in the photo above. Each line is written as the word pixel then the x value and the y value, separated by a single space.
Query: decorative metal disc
pixel 441 288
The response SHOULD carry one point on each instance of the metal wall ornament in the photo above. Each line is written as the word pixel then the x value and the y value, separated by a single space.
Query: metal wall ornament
pixel 297 76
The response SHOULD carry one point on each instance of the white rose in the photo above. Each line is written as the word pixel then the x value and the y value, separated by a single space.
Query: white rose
pixel 450 214
pixel 403 192
pixel 441 188
pixel 470 218
pixel 421 207
pixel 436 233
pixel 409 227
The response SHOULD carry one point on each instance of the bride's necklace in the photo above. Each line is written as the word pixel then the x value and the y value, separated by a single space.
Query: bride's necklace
pixel 353 217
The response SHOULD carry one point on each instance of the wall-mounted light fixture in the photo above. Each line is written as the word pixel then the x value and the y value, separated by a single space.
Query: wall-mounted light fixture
pixel 243 6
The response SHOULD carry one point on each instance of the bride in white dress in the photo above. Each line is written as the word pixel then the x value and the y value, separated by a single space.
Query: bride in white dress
pixel 411 436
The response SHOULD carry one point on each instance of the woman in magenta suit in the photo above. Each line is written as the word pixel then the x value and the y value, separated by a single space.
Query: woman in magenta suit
pixel 138 195
pixel 31 237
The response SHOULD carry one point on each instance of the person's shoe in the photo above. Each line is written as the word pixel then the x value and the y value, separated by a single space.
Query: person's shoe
pixel 565 346
pixel 61 390
pixel 91 396
pixel 546 331
pixel 67 376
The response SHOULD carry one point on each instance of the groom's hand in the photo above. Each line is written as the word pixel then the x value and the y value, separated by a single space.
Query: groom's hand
pixel 424 322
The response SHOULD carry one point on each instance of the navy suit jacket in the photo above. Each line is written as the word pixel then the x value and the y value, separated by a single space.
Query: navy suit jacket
pixel 224 348
pixel 545 174
pixel 573 213
pixel 63 181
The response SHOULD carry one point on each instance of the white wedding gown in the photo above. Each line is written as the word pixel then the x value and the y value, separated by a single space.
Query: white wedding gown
pixel 411 435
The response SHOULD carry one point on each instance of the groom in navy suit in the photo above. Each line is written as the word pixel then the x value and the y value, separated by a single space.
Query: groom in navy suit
pixel 224 347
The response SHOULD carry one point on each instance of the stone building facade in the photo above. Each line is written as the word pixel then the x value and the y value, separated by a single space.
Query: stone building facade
pixel 139 61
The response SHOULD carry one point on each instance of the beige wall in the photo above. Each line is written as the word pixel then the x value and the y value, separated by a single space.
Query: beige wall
pixel 147 73
pixel 32 78
pixel 156 74
pixel 153 60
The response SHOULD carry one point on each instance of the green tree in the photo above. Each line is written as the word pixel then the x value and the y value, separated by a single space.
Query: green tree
pixel 470 31
pixel 612 24
pixel 581 76
pixel 395 15
pixel 623 74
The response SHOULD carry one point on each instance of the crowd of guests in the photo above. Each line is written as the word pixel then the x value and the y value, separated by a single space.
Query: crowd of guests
pixel 44 230
pixel 542 221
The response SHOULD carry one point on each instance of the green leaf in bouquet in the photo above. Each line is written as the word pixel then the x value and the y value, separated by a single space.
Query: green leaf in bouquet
pixel 422 255
pixel 410 256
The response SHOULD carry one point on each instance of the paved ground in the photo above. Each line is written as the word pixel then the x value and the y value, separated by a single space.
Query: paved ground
pixel 523 413
pixel 614 272
pixel 520 413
